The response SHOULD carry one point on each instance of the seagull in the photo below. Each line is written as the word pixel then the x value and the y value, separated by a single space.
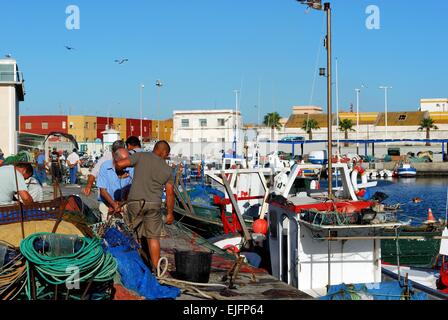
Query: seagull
pixel 121 61
pixel 69 48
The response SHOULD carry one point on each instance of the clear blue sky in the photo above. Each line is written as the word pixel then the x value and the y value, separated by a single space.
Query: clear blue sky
pixel 204 49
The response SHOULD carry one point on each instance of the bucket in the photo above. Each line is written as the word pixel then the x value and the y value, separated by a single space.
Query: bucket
pixel 193 266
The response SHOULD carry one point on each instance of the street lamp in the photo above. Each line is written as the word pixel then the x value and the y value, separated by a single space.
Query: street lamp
pixel 317 4
pixel 386 88
pixel 142 86
pixel 159 85
pixel 235 128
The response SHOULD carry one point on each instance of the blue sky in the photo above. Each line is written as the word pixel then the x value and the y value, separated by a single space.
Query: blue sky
pixel 202 50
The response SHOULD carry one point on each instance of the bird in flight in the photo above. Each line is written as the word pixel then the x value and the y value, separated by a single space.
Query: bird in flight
pixel 69 48
pixel 121 61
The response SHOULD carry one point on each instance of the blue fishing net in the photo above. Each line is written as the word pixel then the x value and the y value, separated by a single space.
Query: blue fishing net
pixel 393 290
pixel 202 194
pixel 135 275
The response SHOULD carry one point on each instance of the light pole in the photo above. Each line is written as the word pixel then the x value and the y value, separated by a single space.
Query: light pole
pixel 159 85
pixel 386 88
pixel 317 4
pixel 235 127
pixel 357 120
pixel 142 86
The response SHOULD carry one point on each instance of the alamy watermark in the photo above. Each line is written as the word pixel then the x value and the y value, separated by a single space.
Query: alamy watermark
pixel 72 282
pixel 73 21
pixel 373 21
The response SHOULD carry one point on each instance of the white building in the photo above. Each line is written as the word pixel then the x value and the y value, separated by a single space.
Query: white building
pixel 11 93
pixel 434 105
pixel 207 126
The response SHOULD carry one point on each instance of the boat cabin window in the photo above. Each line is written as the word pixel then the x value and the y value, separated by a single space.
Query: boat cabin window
pixel 300 185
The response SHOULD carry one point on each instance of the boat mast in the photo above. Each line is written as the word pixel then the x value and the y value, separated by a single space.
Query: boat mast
pixel 327 9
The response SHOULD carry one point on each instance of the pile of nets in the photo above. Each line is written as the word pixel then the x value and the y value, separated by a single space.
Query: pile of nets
pixel 12 272
pixel 21 157
pixel 67 267
pixel 204 195
pixel 393 290
pixel 134 273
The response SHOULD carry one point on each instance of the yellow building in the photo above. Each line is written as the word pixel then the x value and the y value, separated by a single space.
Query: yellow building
pixel 83 128
pixel 120 125
pixel 364 117
pixel 166 129
pixel 439 117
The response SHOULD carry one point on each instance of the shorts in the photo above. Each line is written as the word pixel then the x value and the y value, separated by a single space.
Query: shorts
pixel 146 221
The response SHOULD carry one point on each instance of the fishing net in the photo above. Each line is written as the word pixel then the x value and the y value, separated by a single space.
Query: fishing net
pixel 21 157
pixel 12 272
pixel 331 218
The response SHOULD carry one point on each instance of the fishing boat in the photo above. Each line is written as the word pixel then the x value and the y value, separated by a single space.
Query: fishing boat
pixel 405 170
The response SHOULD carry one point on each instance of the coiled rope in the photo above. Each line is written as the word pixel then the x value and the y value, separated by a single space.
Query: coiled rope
pixel 90 260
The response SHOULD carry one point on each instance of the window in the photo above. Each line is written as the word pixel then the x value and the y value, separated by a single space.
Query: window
pixel 202 122
pixel 185 123
pixel 185 140
pixel 86 125
pixel 402 117
pixel 64 125
pixel 203 140
pixel 144 129
pixel 221 122
pixel 132 128
pixel 94 125
pixel 28 126
pixel 44 125
pixel 221 139
pixel 72 125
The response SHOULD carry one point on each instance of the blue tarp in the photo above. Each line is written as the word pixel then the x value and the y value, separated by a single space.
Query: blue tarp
pixel 393 290
pixel 135 275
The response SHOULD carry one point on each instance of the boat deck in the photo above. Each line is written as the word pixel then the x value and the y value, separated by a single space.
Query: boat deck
pixel 250 284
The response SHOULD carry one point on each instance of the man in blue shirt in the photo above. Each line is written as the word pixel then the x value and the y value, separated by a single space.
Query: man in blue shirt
pixel 41 170
pixel 114 185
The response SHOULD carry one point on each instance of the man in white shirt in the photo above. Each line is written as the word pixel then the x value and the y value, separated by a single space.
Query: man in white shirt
pixel 73 162
pixel 96 169
pixel 13 181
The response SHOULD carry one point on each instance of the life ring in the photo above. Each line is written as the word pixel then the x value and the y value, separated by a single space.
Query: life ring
pixel 361 171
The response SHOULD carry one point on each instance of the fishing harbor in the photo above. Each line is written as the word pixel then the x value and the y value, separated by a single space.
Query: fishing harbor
pixel 324 205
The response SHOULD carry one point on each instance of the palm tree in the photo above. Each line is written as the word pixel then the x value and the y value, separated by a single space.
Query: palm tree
pixel 272 120
pixel 309 125
pixel 427 124
pixel 346 125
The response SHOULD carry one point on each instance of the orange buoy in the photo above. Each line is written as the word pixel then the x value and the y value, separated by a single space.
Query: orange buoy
pixel 431 218
pixel 261 226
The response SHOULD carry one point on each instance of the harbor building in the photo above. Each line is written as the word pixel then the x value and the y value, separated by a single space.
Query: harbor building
pixel 207 126
pixel 85 128
pixel 12 92
pixel 434 105
pixel 165 132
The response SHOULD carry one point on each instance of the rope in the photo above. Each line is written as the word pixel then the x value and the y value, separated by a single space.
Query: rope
pixel 93 264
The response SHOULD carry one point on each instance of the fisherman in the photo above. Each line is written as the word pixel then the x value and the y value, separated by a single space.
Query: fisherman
pixel 35 189
pixel 55 166
pixel 114 185
pixel 73 162
pixel 96 169
pixel 41 171
pixel 134 145
pixel 144 215
pixel 13 181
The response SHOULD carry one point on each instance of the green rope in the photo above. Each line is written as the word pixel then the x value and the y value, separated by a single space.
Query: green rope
pixel 91 261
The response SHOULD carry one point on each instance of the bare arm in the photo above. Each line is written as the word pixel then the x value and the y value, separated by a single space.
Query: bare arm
pixel 112 203
pixel 25 197
pixel 123 164
pixel 88 189
pixel 169 203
